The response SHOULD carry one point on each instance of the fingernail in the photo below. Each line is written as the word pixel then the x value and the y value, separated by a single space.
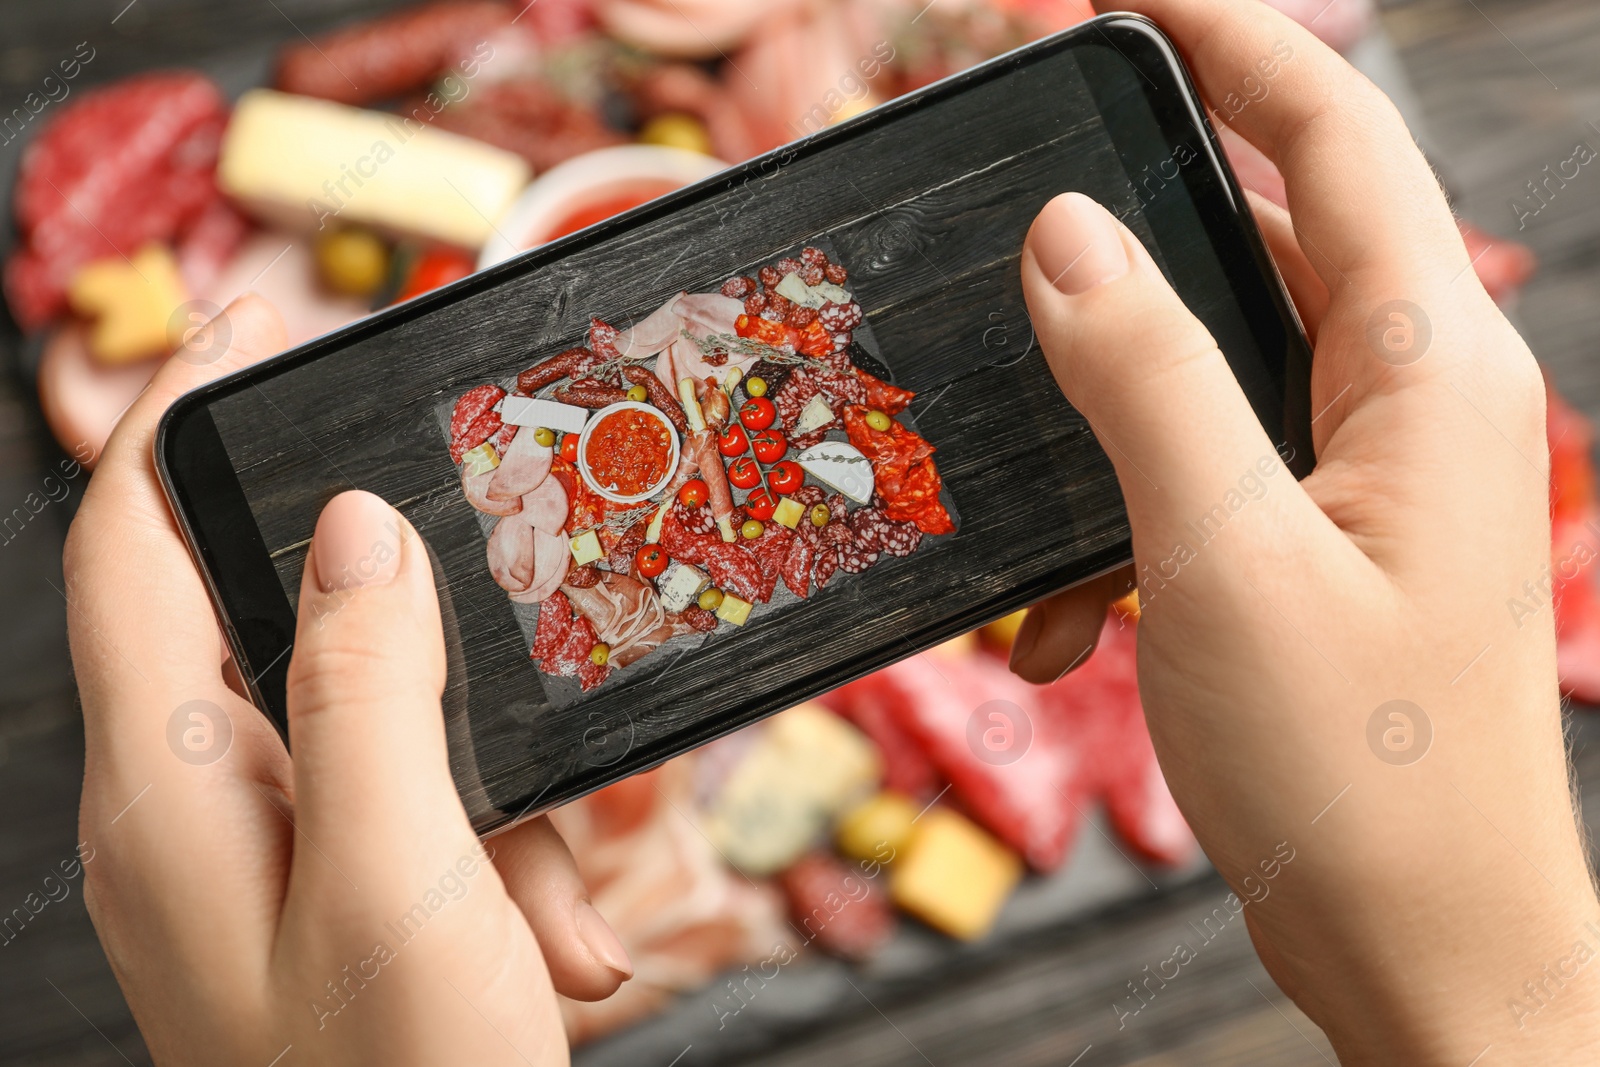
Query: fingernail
pixel 1077 244
pixel 602 940
pixel 357 542
pixel 1027 637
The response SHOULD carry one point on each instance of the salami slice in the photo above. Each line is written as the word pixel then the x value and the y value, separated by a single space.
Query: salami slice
pixel 555 618
pixel 736 571
pixel 797 564
pixel 603 340
pixel 473 420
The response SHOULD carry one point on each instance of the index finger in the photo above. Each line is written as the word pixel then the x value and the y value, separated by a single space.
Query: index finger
pixel 141 625
pixel 1365 203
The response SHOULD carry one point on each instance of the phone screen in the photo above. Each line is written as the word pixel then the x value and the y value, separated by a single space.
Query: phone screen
pixel 693 465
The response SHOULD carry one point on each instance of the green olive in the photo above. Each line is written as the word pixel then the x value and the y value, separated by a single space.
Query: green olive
pixel 638 394
pixel 353 262
pixel 755 386
pixel 878 420
pixel 545 436
pixel 752 529
pixel 711 599
pixel 820 515
pixel 600 654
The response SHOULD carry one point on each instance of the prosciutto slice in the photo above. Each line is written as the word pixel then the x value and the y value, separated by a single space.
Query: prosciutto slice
pixel 652 333
pixel 525 464
pixel 623 610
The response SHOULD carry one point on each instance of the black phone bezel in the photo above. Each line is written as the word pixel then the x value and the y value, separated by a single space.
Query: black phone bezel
pixel 259 621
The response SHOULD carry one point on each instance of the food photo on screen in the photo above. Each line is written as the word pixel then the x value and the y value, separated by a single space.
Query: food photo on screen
pixel 1022 840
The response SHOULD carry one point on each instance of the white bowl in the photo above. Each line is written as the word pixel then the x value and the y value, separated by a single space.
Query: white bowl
pixel 583 181
pixel 583 452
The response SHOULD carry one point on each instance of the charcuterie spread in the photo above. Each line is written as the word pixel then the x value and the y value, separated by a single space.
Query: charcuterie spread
pixel 730 453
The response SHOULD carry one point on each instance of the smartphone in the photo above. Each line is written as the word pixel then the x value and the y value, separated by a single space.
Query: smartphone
pixel 707 459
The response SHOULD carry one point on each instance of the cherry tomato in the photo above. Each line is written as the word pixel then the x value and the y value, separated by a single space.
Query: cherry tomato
pixel 786 477
pixel 770 446
pixel 733 441
pixel 757 413
pixel 693 494
pixel 744 473
pixel 434 268
pixel 569 448
pixel 650 561
pixel 760 505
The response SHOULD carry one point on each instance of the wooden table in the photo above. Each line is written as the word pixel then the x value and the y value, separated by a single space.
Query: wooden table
pixel 1505 87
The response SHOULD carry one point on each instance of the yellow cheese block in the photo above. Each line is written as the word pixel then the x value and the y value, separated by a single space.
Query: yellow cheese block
pixel 789 512
pixel 586 548
pixel 131 302
pixel 305 163
pixel 953 875
pixel 734 610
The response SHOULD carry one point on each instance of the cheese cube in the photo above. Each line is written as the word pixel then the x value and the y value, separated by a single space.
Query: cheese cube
pixel 480 460
pixel 681 585
pixel 652 533
pixel 586 548
pixel 304 163
pixel 952 875
pixel 532 411
pixel 133 304
pixel 733 609
pixel 789 512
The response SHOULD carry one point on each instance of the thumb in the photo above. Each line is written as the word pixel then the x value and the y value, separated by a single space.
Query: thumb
pixel 371 771
pixel 1145 373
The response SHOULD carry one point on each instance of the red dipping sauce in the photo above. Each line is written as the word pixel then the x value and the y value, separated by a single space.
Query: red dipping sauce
pixel 600 210
pixel 628 452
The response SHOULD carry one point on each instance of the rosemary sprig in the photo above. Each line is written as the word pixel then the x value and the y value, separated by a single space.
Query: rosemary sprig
pixel 726 344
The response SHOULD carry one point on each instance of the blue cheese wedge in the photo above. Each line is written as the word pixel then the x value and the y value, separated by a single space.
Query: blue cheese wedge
pixel 840 466
pixel 811 296
pixel 815 415
pixel 681 585
pixel 480 460
pixel 532 411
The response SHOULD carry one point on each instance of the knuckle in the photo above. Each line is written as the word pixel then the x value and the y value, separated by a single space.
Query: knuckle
pixel 342 669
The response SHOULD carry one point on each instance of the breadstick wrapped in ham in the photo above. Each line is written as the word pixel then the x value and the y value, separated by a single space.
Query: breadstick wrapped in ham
pixel 703 447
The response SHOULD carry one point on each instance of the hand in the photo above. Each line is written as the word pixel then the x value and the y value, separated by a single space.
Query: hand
pixel 1430 879
pixel 339 902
